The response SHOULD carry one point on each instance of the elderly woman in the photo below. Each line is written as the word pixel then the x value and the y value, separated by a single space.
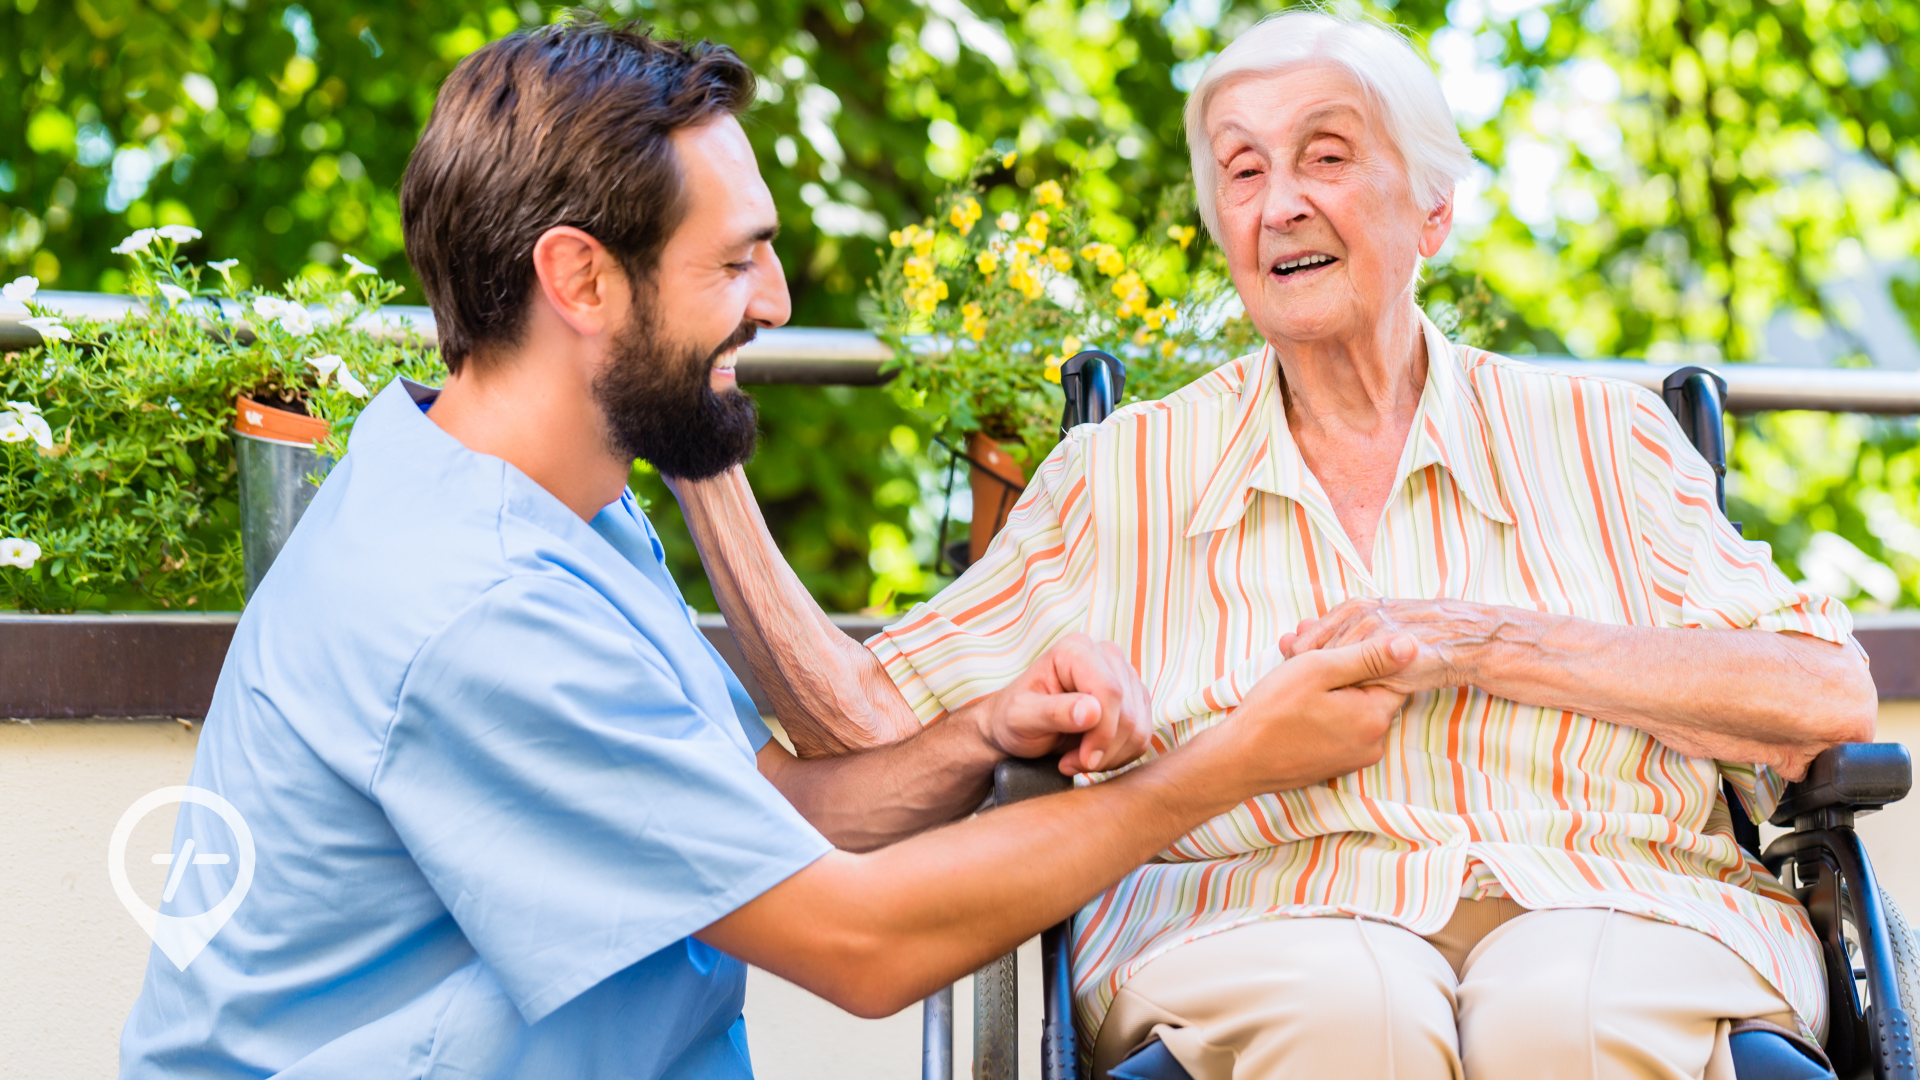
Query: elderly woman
pixel 1539 875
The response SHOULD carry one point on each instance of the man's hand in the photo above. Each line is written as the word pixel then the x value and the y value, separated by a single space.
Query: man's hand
pixel 1322 714
pixel 1082 695
pixel 1453 636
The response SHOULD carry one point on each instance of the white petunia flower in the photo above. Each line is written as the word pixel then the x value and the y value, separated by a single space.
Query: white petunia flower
pixel 1007 221
pixel 224 265
pixel 175 293
pixel 136 243
pixel 25 422
pixel 20 289
pixel 352 385
pixel 270 307
pixel 15 551
pixel 326 365
pixel 179 234
pixel 37 427
pixel 48 327
pixel 355 267
pixel 296 320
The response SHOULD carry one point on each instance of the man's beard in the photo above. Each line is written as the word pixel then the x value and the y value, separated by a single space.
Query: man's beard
pixel 660 405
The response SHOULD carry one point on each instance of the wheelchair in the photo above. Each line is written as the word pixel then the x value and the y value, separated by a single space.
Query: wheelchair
pixel 1871 955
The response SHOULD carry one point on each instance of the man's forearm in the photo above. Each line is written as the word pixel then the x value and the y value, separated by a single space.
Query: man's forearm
pixel 895 924
pixel 1736 695
pixel 869 799
pixel 830 693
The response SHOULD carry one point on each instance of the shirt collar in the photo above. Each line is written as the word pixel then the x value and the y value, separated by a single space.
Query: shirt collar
pixel 1449 428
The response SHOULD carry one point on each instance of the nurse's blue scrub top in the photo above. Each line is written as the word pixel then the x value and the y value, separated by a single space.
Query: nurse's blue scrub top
pixel 495 777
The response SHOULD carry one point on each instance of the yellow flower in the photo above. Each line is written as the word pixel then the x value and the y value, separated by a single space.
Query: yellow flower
pixel 1159 316
pixel 1007 159
pixel 1166 348
pixel 1061 261
pixel 1132 293
pixel 1025 281
pixel 1008 221
pixel 1106 257
pixel 919 269
pixel 909 236
pixel 1037 225
pixel 1070 346
pixel 988 262
pixel 973 322
pixel 964 215
pixel 923 244
pixel 927 299
pixel 1027 245
pixel 1052 374
pixel 1049 194
pixel 1183 234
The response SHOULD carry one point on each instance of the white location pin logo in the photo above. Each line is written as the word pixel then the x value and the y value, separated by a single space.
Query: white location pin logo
pixel 181 937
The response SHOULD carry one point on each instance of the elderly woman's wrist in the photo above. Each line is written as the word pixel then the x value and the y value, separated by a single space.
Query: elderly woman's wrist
pixel 1512 638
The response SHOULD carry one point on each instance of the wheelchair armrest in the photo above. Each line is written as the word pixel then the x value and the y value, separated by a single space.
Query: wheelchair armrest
pixel 1852 778
pixel 1016 779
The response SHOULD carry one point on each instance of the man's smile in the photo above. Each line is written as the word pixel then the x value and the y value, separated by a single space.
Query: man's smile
pixel 722 376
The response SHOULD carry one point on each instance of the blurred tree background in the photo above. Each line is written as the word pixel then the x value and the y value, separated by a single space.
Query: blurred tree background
pixel 1674 179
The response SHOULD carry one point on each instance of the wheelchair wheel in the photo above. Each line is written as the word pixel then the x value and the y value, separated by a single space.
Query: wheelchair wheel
pixel 1906 955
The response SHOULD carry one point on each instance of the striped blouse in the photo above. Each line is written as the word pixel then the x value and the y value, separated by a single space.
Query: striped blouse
pixel 1190 532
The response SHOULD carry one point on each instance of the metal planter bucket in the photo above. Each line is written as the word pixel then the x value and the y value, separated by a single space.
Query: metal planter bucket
pixel 274 452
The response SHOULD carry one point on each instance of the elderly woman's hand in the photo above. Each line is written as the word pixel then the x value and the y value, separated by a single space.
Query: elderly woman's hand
pixel 1453 636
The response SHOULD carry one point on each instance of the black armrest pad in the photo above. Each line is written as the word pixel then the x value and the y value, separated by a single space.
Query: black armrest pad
pixel 1854 776
pixel 1027 778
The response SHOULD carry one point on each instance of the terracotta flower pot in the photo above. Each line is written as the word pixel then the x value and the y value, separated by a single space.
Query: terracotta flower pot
pixel 274 451
pixel 995 489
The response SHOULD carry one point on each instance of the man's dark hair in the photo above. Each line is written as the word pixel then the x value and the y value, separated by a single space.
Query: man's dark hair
pixel 565 125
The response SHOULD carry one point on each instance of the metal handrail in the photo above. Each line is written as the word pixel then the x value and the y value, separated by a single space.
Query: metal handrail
pixel 823 357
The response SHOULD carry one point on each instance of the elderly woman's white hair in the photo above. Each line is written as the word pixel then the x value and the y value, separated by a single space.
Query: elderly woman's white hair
pixel 1396 79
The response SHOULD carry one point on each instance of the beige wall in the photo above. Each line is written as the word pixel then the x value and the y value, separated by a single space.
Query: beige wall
pixel 74 959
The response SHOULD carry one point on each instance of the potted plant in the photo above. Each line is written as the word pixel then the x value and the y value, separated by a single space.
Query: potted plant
pixel 119 486
pixel 984 303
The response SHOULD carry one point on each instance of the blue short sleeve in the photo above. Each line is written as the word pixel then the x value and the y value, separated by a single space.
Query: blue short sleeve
pixel 568 801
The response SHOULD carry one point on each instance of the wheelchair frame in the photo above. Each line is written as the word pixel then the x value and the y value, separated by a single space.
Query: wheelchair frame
pixel 1870 1032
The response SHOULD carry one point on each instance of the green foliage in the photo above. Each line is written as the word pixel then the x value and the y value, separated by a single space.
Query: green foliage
pixel 132 500
pixel 1834 496
pixel 1664 176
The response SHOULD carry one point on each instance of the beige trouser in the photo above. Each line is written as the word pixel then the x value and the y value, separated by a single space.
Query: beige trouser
pixel 1501 993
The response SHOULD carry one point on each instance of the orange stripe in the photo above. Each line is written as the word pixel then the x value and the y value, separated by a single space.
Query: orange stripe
pixel 1599 501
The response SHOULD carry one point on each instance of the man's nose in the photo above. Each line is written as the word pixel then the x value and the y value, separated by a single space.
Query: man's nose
pixel 770 305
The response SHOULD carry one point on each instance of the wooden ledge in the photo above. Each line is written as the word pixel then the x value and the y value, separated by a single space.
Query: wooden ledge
pixel 73 667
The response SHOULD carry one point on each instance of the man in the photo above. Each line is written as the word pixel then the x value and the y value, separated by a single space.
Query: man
pixel 513 817
pixel 1540 877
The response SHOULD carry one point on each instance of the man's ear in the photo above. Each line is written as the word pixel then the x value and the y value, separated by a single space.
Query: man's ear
pixel 1433 231
pixel 578 278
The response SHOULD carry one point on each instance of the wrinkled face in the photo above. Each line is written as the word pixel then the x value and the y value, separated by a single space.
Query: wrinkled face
pixel 1321 230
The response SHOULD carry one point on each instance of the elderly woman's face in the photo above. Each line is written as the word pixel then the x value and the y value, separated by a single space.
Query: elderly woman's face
pixel 1320 227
